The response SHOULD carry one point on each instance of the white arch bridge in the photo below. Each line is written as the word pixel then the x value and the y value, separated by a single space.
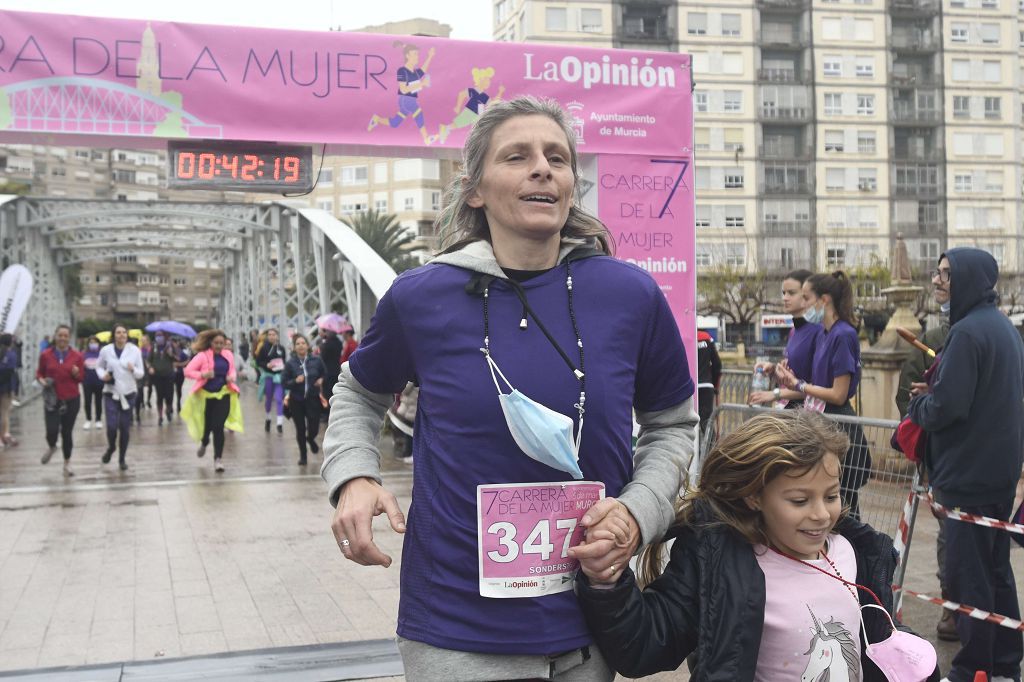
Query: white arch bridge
pixel 281 266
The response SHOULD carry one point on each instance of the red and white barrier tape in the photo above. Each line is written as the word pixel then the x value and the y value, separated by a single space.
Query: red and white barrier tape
pixel 1005 621
pixel 971 518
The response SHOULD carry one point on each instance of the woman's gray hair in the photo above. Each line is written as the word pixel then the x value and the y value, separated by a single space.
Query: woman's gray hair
pixel 459 223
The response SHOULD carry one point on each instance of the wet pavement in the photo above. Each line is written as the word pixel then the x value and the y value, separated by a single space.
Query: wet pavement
pixel 171 559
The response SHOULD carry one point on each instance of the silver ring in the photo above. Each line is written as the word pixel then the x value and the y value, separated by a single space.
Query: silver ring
pixel 343 543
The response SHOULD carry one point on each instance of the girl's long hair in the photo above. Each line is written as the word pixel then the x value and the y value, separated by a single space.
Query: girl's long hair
pixel 838 286
pixel 459 224
pixel 205 339
pixel 741 464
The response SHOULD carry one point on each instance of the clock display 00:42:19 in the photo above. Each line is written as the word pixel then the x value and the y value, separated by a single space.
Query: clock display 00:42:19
pixel 245 167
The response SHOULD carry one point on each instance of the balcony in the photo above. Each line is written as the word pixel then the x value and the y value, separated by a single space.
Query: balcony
pixel 913 80
pixel 787 188
pixel 933 154
pixel 917 190
pixel 783 76
pixel 784 228
pixel 908 114
pixel 782 5
pixel 914 7
pixel 790 38
pixel 919 228
pixel 785 114
pixel 785 154
pixel 915 41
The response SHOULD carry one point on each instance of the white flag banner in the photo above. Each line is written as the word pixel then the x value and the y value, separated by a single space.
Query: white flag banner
pixel 15 291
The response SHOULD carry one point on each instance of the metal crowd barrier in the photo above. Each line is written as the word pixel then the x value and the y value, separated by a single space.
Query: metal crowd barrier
pixel 889 497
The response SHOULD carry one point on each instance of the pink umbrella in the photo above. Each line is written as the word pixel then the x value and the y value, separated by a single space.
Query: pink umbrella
pixel 333 322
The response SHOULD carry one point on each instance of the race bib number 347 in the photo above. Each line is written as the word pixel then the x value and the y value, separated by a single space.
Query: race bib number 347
pixel 524 532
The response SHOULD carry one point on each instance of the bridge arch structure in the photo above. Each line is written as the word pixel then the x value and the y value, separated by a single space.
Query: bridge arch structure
pixel 281 266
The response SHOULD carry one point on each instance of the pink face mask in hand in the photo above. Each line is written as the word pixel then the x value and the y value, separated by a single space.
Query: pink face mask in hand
pixel 902 657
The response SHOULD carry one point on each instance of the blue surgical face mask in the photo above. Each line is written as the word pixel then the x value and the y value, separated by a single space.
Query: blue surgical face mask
pixel 94 346
pixel 814 315
pixel 543 434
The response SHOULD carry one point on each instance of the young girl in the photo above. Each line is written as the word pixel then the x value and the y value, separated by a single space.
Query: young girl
pixel 835 372
pixel 753 585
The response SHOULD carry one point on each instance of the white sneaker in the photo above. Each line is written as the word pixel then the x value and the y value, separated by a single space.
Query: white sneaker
pixel 87 425
pixel 99 425
pixel 67 469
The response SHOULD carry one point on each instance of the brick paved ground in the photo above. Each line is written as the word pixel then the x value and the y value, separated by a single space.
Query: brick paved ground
pixel 171 559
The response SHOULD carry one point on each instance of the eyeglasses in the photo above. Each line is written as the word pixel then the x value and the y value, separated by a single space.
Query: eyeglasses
pixel 942 274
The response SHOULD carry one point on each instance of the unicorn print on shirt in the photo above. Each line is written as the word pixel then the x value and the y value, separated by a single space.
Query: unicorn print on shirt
pixel 833 653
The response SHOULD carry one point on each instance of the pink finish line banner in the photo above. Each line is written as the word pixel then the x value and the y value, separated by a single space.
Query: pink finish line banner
pixel 647 202
pixel 128 78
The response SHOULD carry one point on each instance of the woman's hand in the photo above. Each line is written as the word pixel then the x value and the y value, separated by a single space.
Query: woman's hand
pixel 361 499
pixel 760 398
pixel 301 379
pixel 319 382
pixel 784 375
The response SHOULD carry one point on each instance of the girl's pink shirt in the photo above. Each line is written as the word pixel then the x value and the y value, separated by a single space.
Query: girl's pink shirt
pixel 203 362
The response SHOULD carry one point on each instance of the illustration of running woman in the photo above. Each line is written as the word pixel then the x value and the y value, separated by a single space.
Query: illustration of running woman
pixel 411 80
pixel 474 100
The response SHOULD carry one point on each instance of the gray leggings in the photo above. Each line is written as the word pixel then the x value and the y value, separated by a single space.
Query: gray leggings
pixel 425 663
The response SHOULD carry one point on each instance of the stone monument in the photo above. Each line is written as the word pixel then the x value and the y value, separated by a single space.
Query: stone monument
pixel 882 361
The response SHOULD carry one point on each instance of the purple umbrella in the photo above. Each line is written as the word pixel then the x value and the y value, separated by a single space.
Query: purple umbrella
pixel 172 327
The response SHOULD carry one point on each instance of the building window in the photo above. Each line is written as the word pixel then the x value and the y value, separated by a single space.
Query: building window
pixel 410 204
pixel 835 257
pixel 700 101
pixel 786 258
pixel 697 23
pixel 736 255
pixel 993 107
pixel 733 139
pixel 734 178
pixel 703 216
pixel 961 106
pixel 994 182
pixel 992 71
pixel 326 176
pixel 833 66
pixel 702 256
pixel 435 201
pixel 835 179
pixel 325 205
pixel 591 21
pixel 381 205
pixel 865 67
pixel 735 217
pixel 733 101
pixel 867 179
pixel 833 103
pixel 731 25
pixel 961 70
pixel 354 175
pixel 702 139
pixel 834 140
pixel 865 105
pixel 990 34
pixel 866 142
pixel 556 19
pixel 963 182
pixel 958 33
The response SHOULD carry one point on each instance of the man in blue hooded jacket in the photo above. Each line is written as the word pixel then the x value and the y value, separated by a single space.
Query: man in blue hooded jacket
pixel 974 416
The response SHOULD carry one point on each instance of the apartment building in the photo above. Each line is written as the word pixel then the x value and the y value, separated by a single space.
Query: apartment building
pixel 140 287
pixel 825 128
pixel 410 188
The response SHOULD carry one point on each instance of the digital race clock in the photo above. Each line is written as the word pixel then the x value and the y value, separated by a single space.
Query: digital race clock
pixel 245 166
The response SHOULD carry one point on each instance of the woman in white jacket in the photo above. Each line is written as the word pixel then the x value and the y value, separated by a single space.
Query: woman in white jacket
pixel 119 367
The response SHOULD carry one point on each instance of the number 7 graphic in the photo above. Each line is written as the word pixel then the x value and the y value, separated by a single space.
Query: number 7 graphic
pixel 684 164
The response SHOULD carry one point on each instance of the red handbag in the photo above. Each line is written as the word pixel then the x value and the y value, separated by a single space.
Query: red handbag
pixel 909 438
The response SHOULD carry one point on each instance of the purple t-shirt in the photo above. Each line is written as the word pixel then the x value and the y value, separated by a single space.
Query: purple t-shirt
pixel 476 100
pixel 428 327
pixel 800 347
pixel 837 353
pixel 408 76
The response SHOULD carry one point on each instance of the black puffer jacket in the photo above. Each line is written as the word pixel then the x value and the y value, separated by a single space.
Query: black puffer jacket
pixel 710 601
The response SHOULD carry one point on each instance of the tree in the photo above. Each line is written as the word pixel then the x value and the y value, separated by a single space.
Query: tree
pixel 732 293
pixel 386 236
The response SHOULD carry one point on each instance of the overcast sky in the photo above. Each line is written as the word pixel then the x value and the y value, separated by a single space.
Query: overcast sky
pixel 469 19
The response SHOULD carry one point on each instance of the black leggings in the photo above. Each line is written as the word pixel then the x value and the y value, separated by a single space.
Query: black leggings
pixel 164 393
pixel 306 415
pixel 93 395
pixel 179 379
pixel 216 413
pixel 62 420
